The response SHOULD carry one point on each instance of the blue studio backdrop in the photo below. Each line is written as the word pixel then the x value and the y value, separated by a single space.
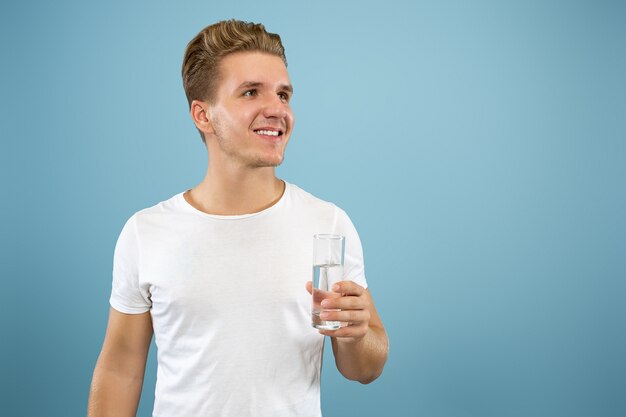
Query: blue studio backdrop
pixel 479 147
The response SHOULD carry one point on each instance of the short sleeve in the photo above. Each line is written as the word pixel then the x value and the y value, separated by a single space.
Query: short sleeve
pixel 354 267
pixel 126 294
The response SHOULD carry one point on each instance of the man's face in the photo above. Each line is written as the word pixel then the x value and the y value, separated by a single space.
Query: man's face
pixel 250 116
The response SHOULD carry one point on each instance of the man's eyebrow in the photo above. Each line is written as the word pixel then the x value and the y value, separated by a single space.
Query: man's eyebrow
pixel 250 84
pixel 287 87
pixel 257 84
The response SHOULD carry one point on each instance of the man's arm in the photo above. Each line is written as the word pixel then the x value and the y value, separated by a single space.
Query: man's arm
pixel 361 347
pixel 118 376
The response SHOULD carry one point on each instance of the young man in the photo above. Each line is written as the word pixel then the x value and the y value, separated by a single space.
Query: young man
pixel 220 273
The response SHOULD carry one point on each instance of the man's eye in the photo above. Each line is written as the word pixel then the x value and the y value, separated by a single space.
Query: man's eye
pixel 284 97
pixel 249 93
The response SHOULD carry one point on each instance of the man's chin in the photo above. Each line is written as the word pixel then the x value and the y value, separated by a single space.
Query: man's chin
pixel 272 162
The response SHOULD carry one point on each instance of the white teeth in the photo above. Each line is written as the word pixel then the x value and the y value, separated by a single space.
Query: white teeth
pixel 267 132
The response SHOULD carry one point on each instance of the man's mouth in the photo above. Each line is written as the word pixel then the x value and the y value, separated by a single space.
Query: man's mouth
pixel 268 132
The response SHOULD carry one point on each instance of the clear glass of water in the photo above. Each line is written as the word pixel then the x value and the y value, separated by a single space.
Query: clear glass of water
pixel 328 254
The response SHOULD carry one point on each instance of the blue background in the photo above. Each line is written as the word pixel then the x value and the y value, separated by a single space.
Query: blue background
pixel 479 147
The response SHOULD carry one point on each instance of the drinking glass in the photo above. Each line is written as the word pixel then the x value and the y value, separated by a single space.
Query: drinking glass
pixel 328 254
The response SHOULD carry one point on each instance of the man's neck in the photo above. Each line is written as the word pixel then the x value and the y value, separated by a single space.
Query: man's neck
pixel 235 193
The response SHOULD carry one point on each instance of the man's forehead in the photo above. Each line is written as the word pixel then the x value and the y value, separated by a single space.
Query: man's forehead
pixel 261 69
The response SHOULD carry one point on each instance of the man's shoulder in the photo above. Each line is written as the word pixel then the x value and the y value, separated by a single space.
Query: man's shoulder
pixel 303 202
pixel 168 206
pixel 299 195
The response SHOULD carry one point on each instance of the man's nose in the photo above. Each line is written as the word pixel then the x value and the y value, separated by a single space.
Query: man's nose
pixel 275 107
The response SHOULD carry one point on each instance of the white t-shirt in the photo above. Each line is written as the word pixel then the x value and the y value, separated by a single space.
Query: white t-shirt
pixel 230 311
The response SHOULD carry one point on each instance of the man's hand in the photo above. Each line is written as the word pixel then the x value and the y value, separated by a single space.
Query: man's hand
pixel 354 311
pixel 360 346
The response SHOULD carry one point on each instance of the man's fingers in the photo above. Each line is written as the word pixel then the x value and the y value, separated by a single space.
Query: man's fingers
pixel 345 303
pixel 346 316
pixel 309 287
pixel 349 331
pixel 348 288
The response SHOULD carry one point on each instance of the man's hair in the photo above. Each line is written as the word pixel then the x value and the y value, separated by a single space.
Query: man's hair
pixel 204 53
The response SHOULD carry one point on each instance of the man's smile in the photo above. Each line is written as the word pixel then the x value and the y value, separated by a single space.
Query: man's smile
pixel 269 132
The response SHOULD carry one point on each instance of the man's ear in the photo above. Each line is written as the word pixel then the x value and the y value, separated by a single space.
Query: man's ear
pixel 200 114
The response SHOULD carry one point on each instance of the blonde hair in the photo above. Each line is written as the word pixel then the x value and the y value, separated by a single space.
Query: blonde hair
pixel 203 54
